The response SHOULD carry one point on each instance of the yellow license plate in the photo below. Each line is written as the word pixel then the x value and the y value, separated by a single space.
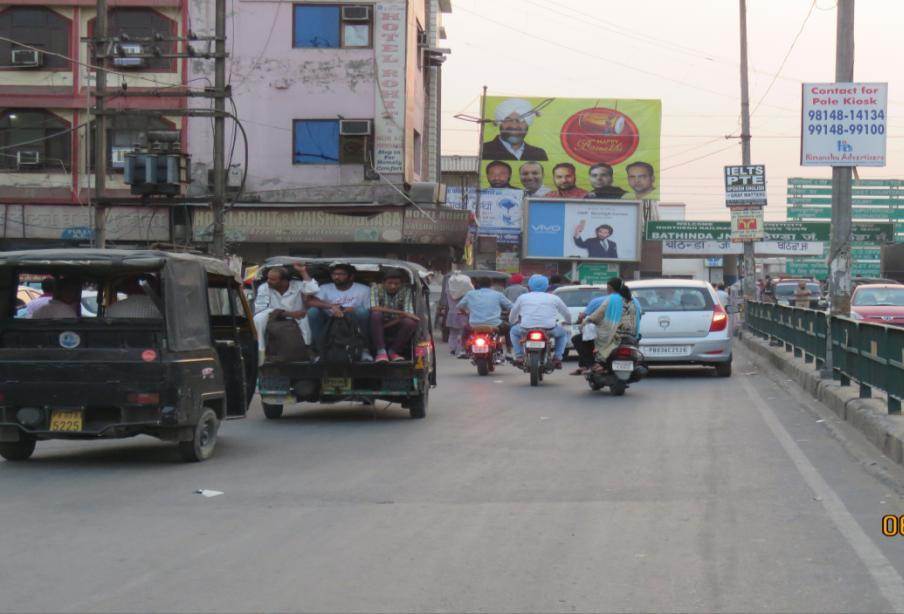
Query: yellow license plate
pixel 336 384
pixel 66 421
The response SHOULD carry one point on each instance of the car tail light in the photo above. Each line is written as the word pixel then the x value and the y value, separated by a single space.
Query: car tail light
pixel 143 398
pixel 480 341
pixel 149 356
pixel 536 336
pixel 720 319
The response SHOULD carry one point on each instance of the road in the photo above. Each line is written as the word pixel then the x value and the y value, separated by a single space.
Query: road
pixel 690 493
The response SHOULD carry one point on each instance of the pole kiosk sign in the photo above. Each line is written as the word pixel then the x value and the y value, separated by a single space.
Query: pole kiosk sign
pixel 745 186
pixel 844 124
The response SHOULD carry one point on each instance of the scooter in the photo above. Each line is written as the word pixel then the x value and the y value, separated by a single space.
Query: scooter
pixel 539 351
pixel 624 366
pixel 485 349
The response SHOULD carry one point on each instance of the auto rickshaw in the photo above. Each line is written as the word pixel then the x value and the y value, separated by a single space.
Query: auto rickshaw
pixel 406 382
pixel 171 351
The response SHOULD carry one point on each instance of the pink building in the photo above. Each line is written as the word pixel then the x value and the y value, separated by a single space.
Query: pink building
pixel 340 104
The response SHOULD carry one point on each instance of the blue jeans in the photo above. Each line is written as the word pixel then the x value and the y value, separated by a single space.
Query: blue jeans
pixel 558 333
pixel 318 319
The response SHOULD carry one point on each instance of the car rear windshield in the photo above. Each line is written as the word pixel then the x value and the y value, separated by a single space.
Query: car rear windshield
pixel 879 297
pixel 788 290
pixel 581 297
pixel 674 299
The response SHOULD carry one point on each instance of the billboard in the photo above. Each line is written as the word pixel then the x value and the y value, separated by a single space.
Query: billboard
pixel 587 230
pixel 843 124
pixel 598 148
pixel 745 185
pixel 500 214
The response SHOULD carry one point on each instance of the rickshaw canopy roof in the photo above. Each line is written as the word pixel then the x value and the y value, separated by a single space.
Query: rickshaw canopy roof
pixel 90 258
pixel 415 271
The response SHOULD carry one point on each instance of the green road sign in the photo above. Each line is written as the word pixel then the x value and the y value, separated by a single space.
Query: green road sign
pixel 820 270
pixel 596 274
pixel 890 183
pixel 804 192
pixel 872 232
pixel 861 213
pixel 827 200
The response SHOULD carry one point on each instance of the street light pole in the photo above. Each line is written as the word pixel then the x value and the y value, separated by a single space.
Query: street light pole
pixel 749 262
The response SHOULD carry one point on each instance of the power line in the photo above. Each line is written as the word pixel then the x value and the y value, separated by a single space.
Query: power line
pixel 712 153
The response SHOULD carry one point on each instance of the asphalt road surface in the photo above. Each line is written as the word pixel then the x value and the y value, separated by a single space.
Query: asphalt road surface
pixel 690 493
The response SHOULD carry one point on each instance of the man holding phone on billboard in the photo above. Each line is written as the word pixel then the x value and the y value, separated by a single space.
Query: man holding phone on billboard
pixel 600 246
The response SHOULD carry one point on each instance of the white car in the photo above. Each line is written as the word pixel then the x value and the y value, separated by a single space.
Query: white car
pixel 576 299
pixel 683 323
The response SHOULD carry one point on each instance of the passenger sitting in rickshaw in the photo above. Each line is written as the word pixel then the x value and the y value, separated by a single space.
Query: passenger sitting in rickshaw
pixel 138 303
pixel 282 297
pixel 336 300
pixel 66 301
pixel 392 317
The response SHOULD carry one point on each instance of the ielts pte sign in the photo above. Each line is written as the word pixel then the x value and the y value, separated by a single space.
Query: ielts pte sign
pixel 844 124
pixel 745 185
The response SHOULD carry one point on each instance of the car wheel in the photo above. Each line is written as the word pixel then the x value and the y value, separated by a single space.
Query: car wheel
pixel 204 438
pixel 18 450
pixel 417 406
pixel 723 369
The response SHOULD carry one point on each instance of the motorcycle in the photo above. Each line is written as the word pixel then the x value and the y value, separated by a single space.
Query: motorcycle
pixel 624 366
pixel 485 349
pixel 539 351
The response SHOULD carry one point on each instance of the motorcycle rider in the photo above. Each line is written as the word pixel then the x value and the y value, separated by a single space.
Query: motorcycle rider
pixel 538 309
pixel 484 306
pixel 616 317
pixel 584 341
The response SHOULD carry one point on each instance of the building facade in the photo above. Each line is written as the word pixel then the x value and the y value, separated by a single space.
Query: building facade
pixel 340 105
pixel 46 124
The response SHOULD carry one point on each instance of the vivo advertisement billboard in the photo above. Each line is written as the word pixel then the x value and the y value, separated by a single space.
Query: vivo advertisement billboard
pixel 586 230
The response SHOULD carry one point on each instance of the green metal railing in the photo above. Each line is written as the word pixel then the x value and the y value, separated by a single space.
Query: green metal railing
pixel 870 354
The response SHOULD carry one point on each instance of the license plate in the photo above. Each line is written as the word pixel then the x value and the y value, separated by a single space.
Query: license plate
pixel 667 350
pixel 622 365
pixel 336 384
pixel 535 345
pixel 66 421
pixel 480 349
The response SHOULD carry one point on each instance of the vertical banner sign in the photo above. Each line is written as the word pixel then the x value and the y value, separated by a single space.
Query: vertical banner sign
pixel 389 121
pixel 745 186
pixel 572 147
pixel 747 225
pixel 843 124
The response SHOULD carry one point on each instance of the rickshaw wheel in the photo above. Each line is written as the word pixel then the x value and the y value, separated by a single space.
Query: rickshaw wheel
pixel 272 412
pixel 417 406
pixel 18 450
pixel 204 439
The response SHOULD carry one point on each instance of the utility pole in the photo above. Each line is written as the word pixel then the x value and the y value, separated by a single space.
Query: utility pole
pixel 749 262
pixel 840 249
pixel 101 46
pixel 219 133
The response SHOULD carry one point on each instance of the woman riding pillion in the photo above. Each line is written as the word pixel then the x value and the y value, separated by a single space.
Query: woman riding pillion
pixel 616 317
pixel 538 309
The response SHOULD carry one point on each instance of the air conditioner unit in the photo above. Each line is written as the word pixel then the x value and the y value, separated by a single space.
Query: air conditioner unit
pixel 354 127
pixel 355 13
pixel 127 55
pixel 421 38
pixel 118 156
pixel 427 192
pixel 28 158
pixel 26 57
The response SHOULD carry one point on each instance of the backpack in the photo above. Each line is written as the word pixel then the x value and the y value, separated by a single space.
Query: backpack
pixel 342 341
pixel 285 343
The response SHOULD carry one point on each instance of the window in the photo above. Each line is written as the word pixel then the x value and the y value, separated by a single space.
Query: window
pixel 34 139
pixel 673 299
pixel 39 27
pixel 142 23
pixel 331 26
pixel 318 141
pixel 123 133
pixel 418 152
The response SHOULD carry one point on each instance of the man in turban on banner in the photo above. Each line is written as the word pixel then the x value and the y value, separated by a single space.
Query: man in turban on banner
pixel 513 117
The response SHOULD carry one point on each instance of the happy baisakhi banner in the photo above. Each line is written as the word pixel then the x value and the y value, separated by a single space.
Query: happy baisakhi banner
pixel 580 131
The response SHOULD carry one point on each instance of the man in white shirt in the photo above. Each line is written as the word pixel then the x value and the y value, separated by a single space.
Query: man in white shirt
pixel 67 294
pixel 136 305
pixel 538 309
pixel 339 299
pixel 286 295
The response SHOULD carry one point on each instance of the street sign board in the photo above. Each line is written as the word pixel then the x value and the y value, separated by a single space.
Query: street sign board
pixel 596 273
pixel 857 183
pixel 843 124
pixel 747 224
pixel 872 232
pixel 745 185
pixel 858 213
pixel 726 248
pixel 817 267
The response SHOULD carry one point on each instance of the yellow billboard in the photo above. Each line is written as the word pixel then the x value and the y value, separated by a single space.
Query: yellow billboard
pixel 572 147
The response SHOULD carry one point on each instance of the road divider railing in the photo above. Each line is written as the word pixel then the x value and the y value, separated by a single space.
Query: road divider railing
pixel 872 355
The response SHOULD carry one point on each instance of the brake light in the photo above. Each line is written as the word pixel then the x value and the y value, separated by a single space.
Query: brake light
pixel 149 356
pixel 144 398
pixel 536 336
pixel 624 352
pixel 480 341
pixel 720 319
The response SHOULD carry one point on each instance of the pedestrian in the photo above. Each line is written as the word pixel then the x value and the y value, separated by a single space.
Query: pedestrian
pixel 459 285
pixel 515 288
pixel 724 299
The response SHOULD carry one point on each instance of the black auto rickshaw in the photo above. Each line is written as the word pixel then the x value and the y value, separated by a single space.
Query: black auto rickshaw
pixel 170 351
pixel 406 382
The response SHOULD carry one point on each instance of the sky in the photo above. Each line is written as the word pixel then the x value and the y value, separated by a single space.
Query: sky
pixel 687 55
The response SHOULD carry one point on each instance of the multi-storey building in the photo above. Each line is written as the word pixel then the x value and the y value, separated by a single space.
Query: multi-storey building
pixel 46 126
pixel 340 104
